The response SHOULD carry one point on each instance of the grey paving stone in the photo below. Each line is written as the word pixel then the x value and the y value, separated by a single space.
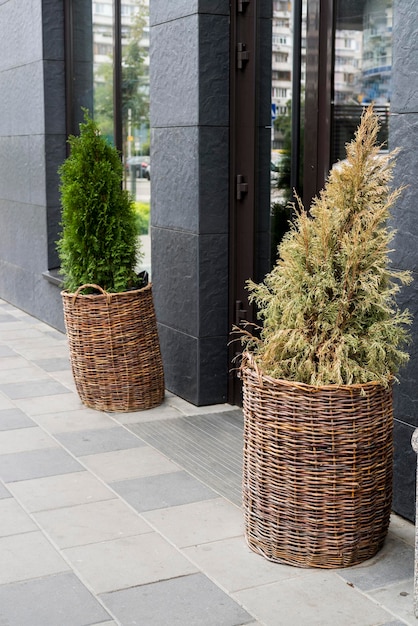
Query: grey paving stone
pixel 16 391
pixel 4 493
pixel 163 490
pixel 37 464
pixel 61 599
pixel 394 563
pixel 11 419
pixel 99 440
pixel 4 317
pixel 190 599
pixel 53 365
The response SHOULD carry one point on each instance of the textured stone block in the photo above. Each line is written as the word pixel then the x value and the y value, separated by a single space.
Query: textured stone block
pixel 404 465
pixel 213 70
pixel 174 54
pixel 213 285
pixel 213 209
pixel 403 130
pixel 175 279
pixel 175 178
pixel 404 76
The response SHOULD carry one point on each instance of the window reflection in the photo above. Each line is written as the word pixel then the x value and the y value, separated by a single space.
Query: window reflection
pixel 362 71
pixel 134 93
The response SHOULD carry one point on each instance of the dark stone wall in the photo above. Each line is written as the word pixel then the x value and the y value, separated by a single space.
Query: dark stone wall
pixel 404 134
pixel 189 214
pixel 32 145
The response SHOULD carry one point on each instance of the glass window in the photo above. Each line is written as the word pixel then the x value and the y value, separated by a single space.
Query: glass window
pixel 362 71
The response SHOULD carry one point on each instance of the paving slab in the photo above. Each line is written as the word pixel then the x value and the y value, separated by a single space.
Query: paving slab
pixel 28 555
pixel 30 389
pixel 11 419
pixel 128 562
pixel 36 464
pixel 234 566
pixel 162 491
pixel 13 519
pixel 97 441
pixel 90 523
pixel 322 599
pixel 50 601
pixel 397 599
pixel 25 439
pixel 126 464
pixel 74 421
pixel 193 600
pixel 54 492
pixel 197 522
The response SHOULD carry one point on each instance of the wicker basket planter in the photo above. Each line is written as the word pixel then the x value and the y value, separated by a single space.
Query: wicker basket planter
pixel 317 480
pixel 114 349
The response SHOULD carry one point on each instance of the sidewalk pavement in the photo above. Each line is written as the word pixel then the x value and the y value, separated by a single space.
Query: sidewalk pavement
pixel 135 518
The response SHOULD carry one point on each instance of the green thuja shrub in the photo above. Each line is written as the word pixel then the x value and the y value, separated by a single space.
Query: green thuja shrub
pixel 328 306
pixel 98 242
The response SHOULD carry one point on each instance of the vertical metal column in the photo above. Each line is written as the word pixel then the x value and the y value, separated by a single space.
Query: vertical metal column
pixel 318 94
pixel 117 76
pixel 243 150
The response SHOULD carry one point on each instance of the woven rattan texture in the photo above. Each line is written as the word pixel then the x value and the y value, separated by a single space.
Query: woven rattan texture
pixel 317 479
pixel 114 349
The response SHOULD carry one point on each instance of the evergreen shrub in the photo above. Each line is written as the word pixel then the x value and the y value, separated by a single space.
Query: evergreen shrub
pixel 98 242
pixel 328 306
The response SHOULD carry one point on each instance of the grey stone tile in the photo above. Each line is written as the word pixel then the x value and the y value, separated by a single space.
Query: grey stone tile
pixel 29 389
pixel 54 492
pixel 4 317
pixel 188 600
pixel 49 404
pixel 13 519
pixel 11 419
pixel 76 420
pixel 69 603
pixel 53 365
pixel 90 523
pixel 399 599
pixel 25 439
pixel 394 563
pixel 36 464
pixel 99 440
pixel 319 598
pixel 198 522
pixel 126 464
pixel 5 351
pixel 4 493
pixel 235 567
pixel 28 555
pixel 127 562
pixel 161 491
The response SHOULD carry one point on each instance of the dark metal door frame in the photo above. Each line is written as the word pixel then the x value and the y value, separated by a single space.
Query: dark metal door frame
pixel 318 96
pixel 243 167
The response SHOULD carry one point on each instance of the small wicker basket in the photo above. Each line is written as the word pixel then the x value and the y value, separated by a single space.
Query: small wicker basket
pixel 317 478
pixel 114 349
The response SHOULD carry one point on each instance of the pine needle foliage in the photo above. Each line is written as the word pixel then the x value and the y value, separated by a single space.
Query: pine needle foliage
pixel 98 242
pixel 328 306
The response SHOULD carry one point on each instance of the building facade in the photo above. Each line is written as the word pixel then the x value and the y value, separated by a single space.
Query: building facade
pixel 215 69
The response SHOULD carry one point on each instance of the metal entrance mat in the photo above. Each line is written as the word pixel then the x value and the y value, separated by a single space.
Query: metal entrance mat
pixel 208 446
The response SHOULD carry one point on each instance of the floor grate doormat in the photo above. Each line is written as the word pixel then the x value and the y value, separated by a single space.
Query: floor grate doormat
pixel 208 446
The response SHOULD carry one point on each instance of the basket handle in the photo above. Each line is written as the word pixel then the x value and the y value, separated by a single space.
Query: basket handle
pixel 104 293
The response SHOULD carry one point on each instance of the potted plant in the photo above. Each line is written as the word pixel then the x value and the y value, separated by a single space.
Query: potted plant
pixel 108 308
pixel 317 381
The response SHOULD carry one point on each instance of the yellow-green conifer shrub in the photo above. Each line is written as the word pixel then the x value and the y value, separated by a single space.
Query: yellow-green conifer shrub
pixel 328 306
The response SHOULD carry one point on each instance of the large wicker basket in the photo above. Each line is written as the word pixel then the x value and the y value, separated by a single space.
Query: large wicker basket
pixel 114 349
pixel 317 479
